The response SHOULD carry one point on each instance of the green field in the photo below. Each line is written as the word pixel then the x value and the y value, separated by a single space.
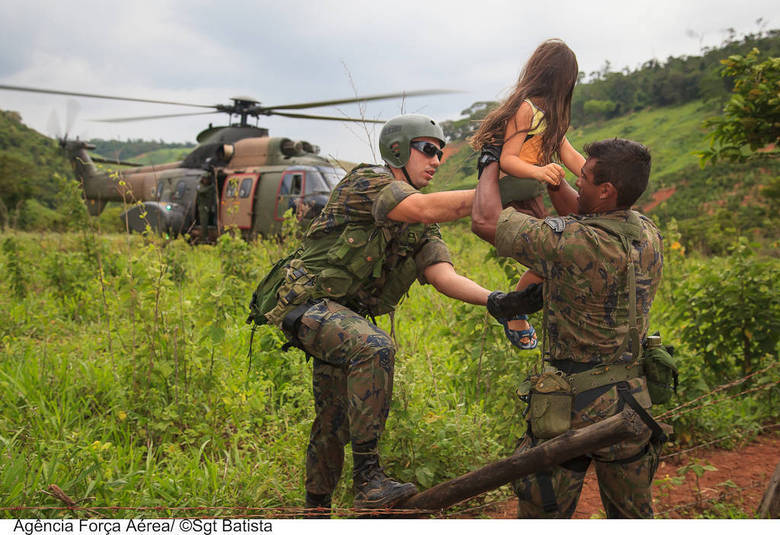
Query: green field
pixel 126 378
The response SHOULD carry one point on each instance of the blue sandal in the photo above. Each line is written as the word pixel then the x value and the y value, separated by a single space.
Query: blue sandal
pixel 516 337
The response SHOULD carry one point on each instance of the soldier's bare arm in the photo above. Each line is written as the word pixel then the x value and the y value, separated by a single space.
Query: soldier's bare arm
pixel 563 198
pixel 433 207
pixel 487 205
pixel 444 278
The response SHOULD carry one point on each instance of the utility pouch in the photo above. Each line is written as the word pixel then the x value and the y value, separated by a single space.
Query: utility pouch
pixel 297 287
pixel 264 297
pixel 660 370
pixel 359 250
pixel 549 412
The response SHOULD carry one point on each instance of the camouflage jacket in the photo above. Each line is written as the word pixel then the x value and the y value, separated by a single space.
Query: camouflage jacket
pixel 355 255
pixel 585 272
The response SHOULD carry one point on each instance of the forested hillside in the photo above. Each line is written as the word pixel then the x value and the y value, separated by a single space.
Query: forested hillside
pixel 28 164
pixel 606 94
pixel 137 149
pixel 712 205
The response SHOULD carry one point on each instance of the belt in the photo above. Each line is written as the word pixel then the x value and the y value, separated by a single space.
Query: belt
pixel 596 375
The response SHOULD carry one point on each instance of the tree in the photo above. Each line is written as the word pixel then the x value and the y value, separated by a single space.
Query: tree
pixel 751 118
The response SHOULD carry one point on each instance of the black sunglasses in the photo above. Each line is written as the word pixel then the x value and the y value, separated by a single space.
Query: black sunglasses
pixel 427 148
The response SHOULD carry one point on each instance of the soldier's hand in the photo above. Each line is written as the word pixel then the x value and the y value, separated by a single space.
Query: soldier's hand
pixel 505 306
pixel 489 154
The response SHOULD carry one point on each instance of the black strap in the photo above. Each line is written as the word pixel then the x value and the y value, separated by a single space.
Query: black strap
pixel 546 490
pixel 624 391
pixel 644 451
pixel 251 340
pixel 549 503
pixel 292 320
pixel 290 324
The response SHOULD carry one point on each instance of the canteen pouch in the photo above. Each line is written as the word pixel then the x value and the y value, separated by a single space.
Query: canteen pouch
pixel 549 411
pixel 660 370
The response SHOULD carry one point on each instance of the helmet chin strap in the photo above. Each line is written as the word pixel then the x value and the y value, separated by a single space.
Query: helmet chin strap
pixel 409 180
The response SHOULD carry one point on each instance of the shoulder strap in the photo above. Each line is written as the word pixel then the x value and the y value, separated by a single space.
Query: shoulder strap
pixel 536 118
pixel 628 231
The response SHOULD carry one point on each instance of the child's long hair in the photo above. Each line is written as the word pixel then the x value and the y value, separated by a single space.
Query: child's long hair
pixel 550 74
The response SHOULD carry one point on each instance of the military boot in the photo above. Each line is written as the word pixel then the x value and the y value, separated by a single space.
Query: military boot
pixel 373 489
pixel 317 506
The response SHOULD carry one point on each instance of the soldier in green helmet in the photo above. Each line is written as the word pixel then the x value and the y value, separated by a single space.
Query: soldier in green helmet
pixel 374 238
pixel 601 268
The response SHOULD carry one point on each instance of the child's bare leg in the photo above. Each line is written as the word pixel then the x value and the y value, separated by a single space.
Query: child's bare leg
pixel 528 278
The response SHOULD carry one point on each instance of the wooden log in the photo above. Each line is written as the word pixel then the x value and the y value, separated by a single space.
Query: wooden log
pixel 625 425
pixel 770 503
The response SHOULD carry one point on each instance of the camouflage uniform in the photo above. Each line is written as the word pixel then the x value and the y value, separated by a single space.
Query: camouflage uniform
pixel 353 358
pixel 585 272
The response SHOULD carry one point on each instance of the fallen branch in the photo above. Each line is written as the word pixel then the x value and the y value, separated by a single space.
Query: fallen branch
pixel 622 426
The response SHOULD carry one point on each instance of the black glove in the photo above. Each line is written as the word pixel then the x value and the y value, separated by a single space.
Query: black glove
pixel 490 154
pixel 508 305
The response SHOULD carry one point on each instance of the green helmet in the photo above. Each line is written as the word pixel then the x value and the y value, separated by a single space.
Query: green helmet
pixel 399 131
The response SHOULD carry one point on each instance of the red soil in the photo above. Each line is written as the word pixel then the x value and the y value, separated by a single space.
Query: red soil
pixel 451 148
pixel 658 197
pixel 741 479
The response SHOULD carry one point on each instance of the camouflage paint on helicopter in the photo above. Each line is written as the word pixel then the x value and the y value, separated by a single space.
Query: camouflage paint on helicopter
pixel 258 179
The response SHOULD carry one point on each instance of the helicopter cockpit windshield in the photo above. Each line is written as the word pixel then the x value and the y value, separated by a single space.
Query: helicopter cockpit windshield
pixel 332 176
pixel 306 189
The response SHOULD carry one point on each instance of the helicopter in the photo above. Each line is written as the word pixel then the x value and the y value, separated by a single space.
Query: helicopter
pixel 257 178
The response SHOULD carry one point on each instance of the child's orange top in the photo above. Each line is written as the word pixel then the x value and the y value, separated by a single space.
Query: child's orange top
pixel 514 188
pixel 532 145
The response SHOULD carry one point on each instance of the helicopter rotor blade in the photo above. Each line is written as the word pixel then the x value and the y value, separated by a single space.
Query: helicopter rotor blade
pixel 53 127
pixel 93 95
pixel 386 96
pixel 326 117
pixel 148 117
pixel 72 110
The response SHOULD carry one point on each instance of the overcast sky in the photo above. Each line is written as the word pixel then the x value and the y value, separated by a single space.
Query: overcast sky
pixel 278 52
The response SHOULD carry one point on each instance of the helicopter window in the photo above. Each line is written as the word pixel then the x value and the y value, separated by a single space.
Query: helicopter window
pixel 290 189
pixel 181 189
pixel 246 188
pixel 315 184
pixel 232 187
pixel 297 185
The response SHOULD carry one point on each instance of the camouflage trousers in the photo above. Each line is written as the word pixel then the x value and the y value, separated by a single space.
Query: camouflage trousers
pixel 352 382
pixel 625 470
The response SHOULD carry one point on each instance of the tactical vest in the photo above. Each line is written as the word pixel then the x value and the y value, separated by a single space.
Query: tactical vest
pixel 365 267
pixel 627 231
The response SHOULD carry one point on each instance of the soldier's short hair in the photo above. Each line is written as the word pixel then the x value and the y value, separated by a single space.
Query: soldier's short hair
pixel 623 163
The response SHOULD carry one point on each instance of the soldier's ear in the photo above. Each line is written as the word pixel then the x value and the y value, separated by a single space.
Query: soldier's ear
pixel 607 190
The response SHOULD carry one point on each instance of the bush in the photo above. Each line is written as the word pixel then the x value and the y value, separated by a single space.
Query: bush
pixel 732 312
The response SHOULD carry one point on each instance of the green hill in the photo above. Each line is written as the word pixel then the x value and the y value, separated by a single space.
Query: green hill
pixel 673 134
pixel 711 206
pixel 143 151
pixel 28 163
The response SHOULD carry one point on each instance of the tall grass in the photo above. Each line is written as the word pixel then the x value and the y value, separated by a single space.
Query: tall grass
pixel 126 381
